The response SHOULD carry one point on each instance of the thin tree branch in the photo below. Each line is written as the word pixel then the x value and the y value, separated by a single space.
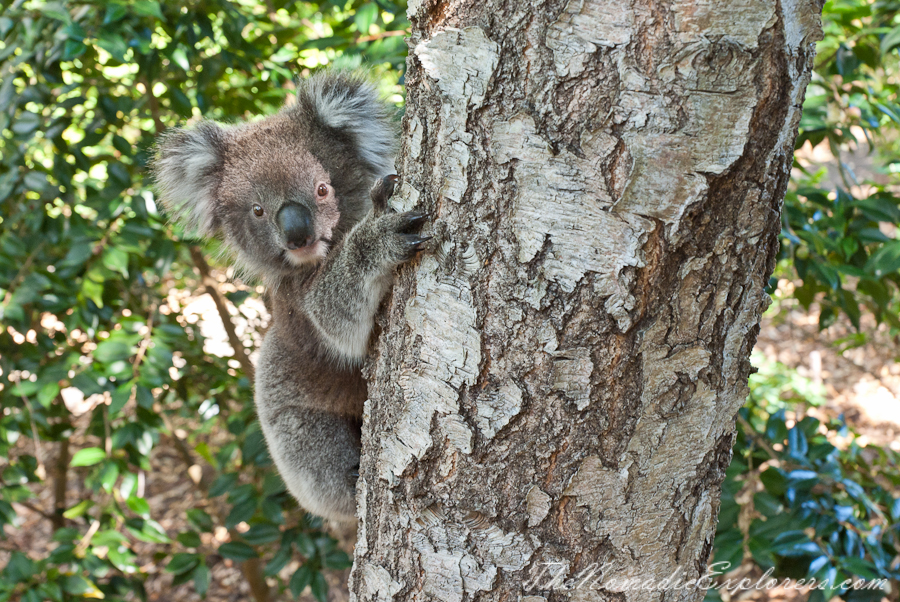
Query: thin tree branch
pixel 59 483
pixel 37 510
pixel 212 288
pixel 20 275
pixel 38 450
pixel 153 103
pixel 751 432
pixel 383 34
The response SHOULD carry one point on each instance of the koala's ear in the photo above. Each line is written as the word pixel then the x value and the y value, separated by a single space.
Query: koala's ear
pixel 187 169
pixel 347 102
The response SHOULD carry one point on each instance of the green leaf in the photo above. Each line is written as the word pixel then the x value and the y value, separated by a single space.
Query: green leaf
pixel 93 290
pixel 182 563
pixel 319 587
pixel 116 260
pixel 110 538
pixel 880 209
pixel 795 543
pixel 72 49
pixel 859 567
pixel 237 551
pixel 261 534
pixel 337 560
pixel 885 261
pixel 48 393
pixel 148 8
pixel 88 457
pixel 26 123
pixel 108 476
pixel 112 350
pixel 774 481
pixel 279 561
pixel 200 519
pixel 890 41
pixel 179 57
pixel 20 567
pixel 189 539
pixel 365 17
pixel 56 10
pixel 241 512
pixel 139 506
pixel 129 485
pixel 114 44
pixel 78 585
pixel 114 12
pixel 223 484
pixel 78 509
pixel 301 578
pixel 201 580
pixel 120 397
pixel 149 531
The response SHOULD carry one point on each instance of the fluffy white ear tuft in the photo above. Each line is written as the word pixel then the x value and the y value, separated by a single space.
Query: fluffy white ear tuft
pixel 346 101
pixel 187 170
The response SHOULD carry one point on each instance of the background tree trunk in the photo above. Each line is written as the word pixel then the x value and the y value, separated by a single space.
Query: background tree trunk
pixel 559 377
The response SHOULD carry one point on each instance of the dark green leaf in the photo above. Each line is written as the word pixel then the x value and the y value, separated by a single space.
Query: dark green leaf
pixel 237 551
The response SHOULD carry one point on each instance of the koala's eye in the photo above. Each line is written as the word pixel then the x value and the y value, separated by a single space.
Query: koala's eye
pixel 322 190
pixel 258 210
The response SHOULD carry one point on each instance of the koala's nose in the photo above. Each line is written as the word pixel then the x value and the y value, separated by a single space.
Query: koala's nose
pixel 296 222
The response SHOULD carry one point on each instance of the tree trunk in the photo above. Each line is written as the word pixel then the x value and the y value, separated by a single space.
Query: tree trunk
pixel 555 391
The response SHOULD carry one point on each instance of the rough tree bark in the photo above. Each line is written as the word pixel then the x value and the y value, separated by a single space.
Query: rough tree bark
pixel 558 379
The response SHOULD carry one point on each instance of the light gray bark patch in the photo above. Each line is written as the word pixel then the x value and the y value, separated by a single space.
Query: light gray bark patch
pixel 379 581
pixel 572 369
pixel 741 20
pixel 670 169
pixel 496 408
pixel 452 569
pixel 584 26
pixel 537 505
pixel 462 61
pixel 442 312
pixel 561 197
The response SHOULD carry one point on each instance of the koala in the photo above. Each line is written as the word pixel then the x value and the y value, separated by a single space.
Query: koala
pixel 292 197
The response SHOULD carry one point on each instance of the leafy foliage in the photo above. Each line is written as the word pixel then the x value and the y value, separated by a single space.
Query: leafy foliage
pixel 90 277
pixel 840 228
pixel 796 503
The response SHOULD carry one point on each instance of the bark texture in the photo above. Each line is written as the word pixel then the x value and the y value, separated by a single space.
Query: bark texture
pixel 559 376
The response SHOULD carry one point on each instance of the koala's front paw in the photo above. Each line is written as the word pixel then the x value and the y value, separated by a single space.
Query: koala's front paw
pixel 401 242
pixel 382 191
pixel 395 233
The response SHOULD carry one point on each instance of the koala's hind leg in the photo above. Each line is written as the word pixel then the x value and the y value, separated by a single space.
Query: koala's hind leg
pixel 317 454
pixel 345 294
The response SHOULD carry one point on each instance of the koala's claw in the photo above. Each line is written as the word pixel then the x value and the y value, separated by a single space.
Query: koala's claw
pixel 414 242
pixel 354 474
pixel 382 191
pixel 413 220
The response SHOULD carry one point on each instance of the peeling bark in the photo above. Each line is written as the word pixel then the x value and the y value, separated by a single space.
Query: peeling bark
pixel 558 379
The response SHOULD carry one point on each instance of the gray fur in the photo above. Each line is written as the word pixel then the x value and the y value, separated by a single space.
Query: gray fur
pixel 234 181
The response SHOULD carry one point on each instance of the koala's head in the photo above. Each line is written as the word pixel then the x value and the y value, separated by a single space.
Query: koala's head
pixel 281 191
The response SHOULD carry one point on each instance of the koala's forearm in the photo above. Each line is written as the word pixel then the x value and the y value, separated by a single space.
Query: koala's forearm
pixel 345 294
pixel 342 300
